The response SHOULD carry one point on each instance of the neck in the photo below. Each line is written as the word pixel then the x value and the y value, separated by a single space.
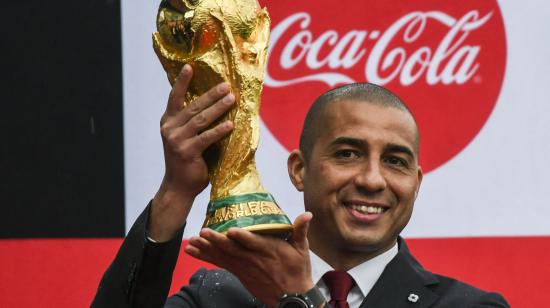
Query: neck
pixel 343 258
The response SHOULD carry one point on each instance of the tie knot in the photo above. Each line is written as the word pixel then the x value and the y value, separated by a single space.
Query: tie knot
pixel 339 283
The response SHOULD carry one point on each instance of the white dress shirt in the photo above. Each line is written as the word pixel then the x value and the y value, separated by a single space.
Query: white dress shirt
pixel 365 275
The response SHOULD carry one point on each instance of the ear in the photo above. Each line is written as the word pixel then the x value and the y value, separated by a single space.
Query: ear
pixel 420 177
pixel 296 165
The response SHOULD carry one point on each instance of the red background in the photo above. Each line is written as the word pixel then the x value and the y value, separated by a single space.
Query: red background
pixel 66 272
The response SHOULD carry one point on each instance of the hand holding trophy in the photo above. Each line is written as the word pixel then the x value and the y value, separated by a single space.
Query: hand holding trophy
pixel 225 40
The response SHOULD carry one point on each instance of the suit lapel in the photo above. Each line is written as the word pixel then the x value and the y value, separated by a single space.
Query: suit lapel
pixel 404 283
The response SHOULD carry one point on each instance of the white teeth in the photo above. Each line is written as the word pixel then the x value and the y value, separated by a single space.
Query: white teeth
pixel 367 209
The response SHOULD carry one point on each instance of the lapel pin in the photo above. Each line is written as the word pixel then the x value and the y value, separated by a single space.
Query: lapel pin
pixel 413 298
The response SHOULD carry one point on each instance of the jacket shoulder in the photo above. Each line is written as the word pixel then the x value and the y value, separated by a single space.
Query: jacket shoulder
pixel 437 290
pixel 455 293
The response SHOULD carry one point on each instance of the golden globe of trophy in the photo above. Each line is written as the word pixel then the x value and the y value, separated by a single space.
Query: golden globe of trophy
pixel 225 40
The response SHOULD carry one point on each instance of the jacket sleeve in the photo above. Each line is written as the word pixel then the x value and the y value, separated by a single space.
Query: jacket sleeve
pixel 213 288
pixel 141 273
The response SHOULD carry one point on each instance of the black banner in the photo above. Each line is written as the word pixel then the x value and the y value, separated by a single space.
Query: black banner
pixel 61 122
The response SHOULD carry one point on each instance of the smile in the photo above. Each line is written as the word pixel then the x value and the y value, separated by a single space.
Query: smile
pixel 367 209
pixel 365 212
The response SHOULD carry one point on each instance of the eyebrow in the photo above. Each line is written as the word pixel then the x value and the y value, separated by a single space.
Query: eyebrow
pixel 349 141
pixel 397 148
pixel 392 147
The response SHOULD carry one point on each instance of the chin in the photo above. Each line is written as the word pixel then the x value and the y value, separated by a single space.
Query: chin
pixel 359 241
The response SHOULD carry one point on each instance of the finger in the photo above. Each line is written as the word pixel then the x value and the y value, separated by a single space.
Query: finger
pixel 248 239
pixel 205 139
pixel 201 255
pixel 177 95
pixel 206 117
pixel 199 243
pixel 201 248
pixel 233 265
pixel 204 101
pixel 301 226
pixel 190 148
pixel 227 246
pixel 193 251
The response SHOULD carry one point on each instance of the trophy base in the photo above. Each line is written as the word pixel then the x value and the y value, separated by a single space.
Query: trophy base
pixel 256 212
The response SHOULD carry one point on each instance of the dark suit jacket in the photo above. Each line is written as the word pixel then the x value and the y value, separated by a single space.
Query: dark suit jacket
pixel 141 274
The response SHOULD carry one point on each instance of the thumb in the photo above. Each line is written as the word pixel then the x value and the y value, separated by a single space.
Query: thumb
pixel 299 234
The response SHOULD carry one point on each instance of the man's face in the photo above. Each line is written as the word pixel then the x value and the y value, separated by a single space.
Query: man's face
pixel 361 179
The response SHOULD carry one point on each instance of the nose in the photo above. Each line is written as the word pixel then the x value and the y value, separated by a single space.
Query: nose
pixel 370 178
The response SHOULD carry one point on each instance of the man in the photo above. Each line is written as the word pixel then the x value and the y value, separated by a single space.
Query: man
pixel 358 169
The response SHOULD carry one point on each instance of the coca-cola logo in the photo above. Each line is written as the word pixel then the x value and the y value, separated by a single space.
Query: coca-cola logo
pixel 446 60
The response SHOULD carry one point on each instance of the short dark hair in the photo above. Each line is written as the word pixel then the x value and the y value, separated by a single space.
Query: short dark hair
pixel 361 92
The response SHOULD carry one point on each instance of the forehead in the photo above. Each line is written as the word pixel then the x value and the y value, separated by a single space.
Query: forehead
pixel 369 121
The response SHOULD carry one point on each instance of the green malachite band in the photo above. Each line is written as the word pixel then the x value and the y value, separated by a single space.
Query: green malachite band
pixel 217 204
pixel 279 223
pixel 247 221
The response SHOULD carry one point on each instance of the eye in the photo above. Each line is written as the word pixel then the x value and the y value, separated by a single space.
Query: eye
pixel 395 161
pixel 346 154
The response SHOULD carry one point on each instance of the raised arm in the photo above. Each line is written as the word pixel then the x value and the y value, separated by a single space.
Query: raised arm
pixel 141 273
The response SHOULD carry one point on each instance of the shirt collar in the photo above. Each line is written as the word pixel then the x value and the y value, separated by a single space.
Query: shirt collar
pixel 365 274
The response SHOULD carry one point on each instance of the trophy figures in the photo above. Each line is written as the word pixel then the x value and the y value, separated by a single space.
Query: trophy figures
pixel 225 40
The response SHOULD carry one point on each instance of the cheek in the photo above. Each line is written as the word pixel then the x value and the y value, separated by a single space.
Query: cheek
pixel 323 183
pixel 404 189
pixel 320 195
pixel 336 177
pixel 323 179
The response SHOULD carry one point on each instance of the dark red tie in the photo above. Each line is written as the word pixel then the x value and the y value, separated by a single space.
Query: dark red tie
pixel 339 284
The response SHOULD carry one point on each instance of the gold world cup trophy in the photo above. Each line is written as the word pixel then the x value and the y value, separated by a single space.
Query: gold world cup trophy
pixel 225 40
